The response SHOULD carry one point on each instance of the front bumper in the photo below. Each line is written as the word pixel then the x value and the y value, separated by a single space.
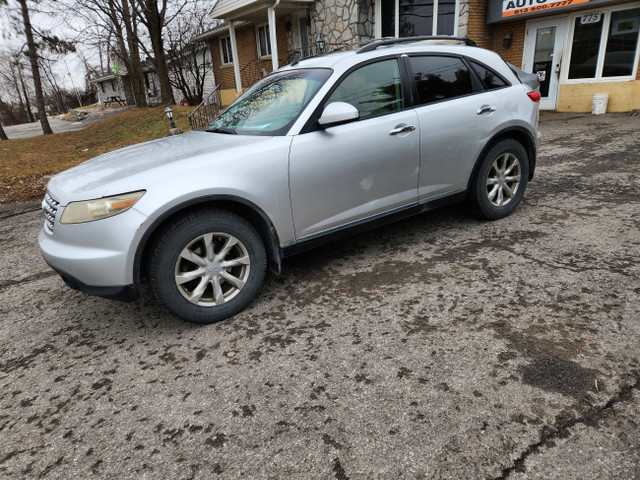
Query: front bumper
pixel 125 293
pixel 95 257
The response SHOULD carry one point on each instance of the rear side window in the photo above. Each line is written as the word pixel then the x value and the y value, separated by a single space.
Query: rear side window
pixel 490 79
pixel 374 89
pixel 440 78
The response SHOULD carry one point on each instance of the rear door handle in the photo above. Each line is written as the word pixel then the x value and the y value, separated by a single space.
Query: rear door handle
pixel 486 109
pixel 402 129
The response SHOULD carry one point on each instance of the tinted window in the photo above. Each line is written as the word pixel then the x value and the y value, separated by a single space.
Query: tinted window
pixel 586 45
pixel 621 44
pixel 440 78
pixel 489 78
pixel 374 89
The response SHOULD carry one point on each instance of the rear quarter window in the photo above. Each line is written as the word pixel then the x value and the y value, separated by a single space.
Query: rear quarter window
pixel 489 78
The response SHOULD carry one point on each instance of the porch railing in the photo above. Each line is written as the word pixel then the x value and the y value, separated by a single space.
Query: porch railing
pixel 312 50
pixel 254 71
pixel 204 113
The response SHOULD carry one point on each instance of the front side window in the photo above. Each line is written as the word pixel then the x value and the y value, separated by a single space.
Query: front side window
pixel 440 78
pixel 410 18
pixel 271 106
pixel 604 44
pixel 374 89
pixel 264 41
pixel 226 56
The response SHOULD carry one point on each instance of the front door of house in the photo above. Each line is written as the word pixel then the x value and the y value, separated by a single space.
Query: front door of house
pixel 300 29
pixel 544 42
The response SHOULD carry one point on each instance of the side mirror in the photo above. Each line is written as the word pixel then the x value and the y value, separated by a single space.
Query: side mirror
pixel 337 113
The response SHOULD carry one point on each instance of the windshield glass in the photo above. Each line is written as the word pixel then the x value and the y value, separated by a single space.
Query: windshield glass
pixel 271 106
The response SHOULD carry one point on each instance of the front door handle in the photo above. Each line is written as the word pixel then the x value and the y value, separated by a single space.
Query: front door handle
pixel 486 109
pixel 402 129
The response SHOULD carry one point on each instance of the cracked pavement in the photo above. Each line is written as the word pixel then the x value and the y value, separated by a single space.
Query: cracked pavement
pixel 437 347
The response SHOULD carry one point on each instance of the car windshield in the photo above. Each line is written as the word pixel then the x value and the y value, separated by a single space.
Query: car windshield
pixel 271 106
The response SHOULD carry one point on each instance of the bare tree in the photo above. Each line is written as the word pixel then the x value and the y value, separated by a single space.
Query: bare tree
pixel 3 135
pixel 114 32
pixel 10 89
pixel 154 17
pixel 35 68
pixel 187 60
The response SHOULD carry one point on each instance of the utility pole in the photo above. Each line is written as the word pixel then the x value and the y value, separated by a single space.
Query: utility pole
pixel 72 84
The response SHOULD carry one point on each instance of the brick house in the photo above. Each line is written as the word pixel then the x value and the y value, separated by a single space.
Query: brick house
pixel 578 48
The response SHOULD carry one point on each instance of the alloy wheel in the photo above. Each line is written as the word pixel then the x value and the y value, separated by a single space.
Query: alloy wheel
pixel 503 179
pixel 212 269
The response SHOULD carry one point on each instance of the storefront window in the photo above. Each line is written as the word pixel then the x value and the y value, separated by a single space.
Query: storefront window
pixel 621 31
pixel 446 17
pixel 416 17
pixel 621 43
pixel 586 44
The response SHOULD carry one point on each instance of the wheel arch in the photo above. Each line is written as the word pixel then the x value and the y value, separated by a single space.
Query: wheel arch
pixel 519 134
pixel 240 206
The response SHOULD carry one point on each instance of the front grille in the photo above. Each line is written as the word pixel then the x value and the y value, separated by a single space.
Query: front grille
pixel 50 207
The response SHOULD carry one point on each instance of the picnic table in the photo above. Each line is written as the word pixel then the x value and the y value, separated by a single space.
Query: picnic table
pixel 111 100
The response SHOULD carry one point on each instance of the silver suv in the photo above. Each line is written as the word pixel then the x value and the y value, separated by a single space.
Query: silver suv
pixel 323 147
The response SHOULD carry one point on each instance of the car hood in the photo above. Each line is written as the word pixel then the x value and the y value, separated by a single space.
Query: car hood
pixel 98 177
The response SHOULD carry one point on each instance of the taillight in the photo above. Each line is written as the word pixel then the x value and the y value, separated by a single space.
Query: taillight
pixel 534 96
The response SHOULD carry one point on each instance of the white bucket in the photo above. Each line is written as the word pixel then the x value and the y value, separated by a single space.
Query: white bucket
pixel 599 105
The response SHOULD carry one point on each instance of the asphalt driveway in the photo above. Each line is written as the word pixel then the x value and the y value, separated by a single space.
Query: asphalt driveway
pixel 34 129
pixel 438 347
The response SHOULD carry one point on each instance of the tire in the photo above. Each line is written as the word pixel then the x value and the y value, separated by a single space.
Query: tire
pixel 500 181
pixel 207 265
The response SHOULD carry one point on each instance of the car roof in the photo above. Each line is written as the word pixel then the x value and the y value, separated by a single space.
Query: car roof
pixel 342 61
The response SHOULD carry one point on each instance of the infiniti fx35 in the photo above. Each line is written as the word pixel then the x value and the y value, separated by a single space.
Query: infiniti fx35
pixel 325 146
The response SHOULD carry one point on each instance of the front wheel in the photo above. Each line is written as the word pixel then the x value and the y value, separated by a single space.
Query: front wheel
pixel 500 182
pixel 207 265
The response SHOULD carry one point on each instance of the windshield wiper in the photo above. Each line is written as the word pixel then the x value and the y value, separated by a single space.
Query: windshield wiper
pixel 228 131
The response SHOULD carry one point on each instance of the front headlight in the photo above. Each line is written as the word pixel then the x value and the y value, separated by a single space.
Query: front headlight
pixel 90 210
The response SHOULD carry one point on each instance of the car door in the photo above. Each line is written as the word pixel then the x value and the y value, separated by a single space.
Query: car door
pixel 456 118
pixel 347 173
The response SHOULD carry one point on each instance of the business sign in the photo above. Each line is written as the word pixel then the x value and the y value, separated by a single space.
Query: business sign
pixel 512 8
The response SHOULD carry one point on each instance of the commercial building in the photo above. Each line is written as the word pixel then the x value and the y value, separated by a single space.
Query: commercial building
pixel 578 48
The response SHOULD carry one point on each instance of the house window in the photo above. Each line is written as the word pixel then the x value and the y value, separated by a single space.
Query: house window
pixel 410 18
pixel 264 41
pixel 103 88
pixel 604 44
pixel 225 51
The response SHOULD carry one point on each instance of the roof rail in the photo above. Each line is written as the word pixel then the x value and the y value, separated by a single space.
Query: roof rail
pixel 393 40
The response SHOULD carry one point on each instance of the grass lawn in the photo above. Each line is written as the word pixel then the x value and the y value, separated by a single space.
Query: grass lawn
pixel 27 163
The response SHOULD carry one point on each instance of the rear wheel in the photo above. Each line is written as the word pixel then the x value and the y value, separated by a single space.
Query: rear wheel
pixel 500 181
pixel 207 265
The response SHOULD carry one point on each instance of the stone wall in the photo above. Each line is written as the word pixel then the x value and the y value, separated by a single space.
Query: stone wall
pixel 342 22
pixel 463 18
